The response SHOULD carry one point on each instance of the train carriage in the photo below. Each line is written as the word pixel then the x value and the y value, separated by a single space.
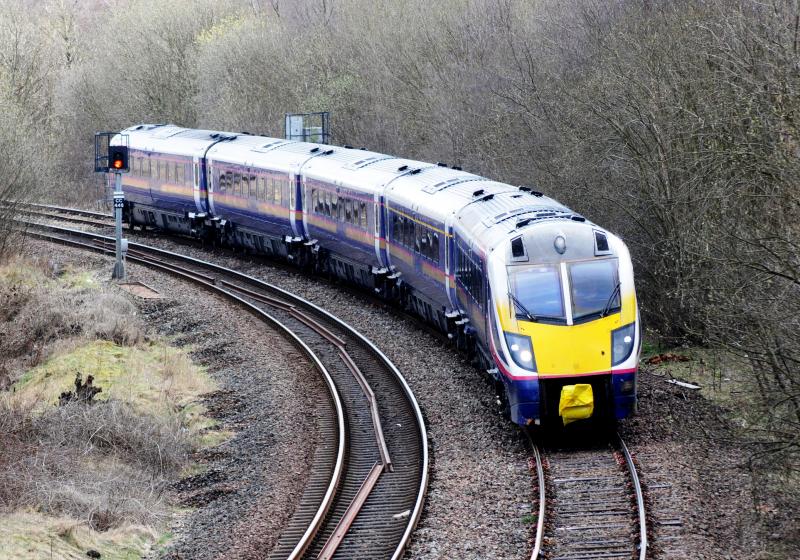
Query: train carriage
pixel 541 297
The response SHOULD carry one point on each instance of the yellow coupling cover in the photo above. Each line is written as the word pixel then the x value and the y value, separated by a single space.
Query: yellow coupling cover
pixel 577 402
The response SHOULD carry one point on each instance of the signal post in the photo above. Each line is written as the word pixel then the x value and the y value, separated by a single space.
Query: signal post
pixel 114 159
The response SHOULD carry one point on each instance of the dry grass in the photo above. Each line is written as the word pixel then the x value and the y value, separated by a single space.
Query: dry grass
pixel 91 475
pixel 41 303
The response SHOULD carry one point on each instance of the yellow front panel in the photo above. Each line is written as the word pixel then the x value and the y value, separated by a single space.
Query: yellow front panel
pixel 572 349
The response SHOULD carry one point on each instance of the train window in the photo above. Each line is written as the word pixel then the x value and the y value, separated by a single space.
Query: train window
pixel 262 190
pixel 245 185
pixel 538 288
pixel 435 247
pixel 327 203
pixel 356 214
pixel 334 206
pixel 220 181
pixel 348 211
pixel 181 174
pixel 401 230
pixel 169 172
pixel 253 187
pixel 278 191
pixel 594 287
pixel 363 215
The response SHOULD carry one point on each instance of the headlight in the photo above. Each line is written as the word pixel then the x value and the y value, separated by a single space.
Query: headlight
pixel 622 343
pixel 521 350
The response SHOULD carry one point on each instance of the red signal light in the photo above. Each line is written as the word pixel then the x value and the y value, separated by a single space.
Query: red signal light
pixel 118 158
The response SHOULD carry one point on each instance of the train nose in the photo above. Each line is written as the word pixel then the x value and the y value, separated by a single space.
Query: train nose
pixel 579 349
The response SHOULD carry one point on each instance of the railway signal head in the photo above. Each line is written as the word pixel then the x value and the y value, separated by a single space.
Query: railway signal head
pixel 118 158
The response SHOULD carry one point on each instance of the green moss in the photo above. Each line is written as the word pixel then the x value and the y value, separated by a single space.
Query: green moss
pixel 155 378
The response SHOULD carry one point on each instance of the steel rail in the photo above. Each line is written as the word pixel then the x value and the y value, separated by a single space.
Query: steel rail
pixel 61 209
pixel 639 498
pixel 415 514
pixel 537 544
pixel 330 494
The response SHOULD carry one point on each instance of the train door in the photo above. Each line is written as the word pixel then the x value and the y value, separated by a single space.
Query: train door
pixel 295 205
pixel 381 231
pixel 449 261
pixel 199 185
pixel 207 176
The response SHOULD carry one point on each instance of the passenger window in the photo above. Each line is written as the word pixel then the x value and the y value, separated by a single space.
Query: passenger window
pixel 435 247
pixel 348 211
pixel 356 213
pixel 245 186
pixel 364 215
pixel 278 191
pixel 261 189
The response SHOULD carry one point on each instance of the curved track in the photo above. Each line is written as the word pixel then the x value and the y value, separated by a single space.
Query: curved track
pixel 369 481
pixel 585 499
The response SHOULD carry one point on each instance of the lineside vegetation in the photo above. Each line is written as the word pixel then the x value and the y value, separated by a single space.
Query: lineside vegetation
pixel 674 123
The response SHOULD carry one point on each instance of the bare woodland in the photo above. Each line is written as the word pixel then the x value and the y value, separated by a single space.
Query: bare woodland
pixel 671 122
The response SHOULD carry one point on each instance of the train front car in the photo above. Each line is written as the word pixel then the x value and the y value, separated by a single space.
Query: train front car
pixel 564 320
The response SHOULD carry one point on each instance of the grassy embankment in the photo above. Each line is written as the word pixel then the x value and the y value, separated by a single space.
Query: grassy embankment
pixel 83 476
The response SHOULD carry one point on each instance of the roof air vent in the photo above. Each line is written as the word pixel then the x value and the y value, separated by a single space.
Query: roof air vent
pixel 348 146
pixel 215 135
pixel 536 193
pixel 327 153
pixel 487 197
pixel 577 218
pixel 402 168
pixel 441 164
pixel 415 171
pixel 457 167
pixel 478 192
pixel 523 188
pixel 314 150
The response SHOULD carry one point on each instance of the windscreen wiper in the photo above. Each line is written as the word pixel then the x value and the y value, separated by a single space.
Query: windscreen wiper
pixel 607 308
pixel 518 303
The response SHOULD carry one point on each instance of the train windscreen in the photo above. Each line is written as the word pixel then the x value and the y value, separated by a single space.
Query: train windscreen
pixel 594 287
pixel 537 290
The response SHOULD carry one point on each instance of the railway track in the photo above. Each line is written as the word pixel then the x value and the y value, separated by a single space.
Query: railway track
pixel 369 479
pixel 591 504
pixel 72 215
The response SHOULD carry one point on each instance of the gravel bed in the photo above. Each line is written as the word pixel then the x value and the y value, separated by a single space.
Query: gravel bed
pixel 480 489
pixel 700 493
pixel 248 486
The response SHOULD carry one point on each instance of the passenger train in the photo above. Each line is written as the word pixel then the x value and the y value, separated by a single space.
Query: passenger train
pixel 538 295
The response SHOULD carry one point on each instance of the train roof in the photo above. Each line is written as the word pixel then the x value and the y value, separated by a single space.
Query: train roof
pixel 487 210
pixel 168 138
